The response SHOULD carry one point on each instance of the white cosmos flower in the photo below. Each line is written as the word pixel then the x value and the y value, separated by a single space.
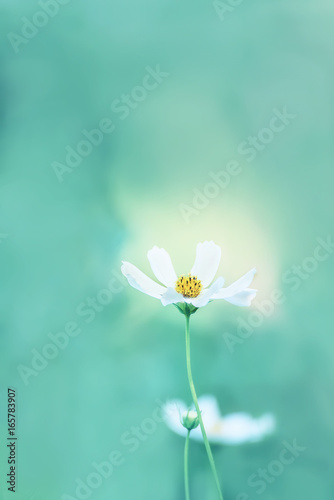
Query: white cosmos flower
pixel 232 429
pixel 196 288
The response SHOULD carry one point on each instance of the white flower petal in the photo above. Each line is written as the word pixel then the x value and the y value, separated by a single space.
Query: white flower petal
pixel 137 279
pixel 238 286
pixel 208 405
pixel 207 261
pixel 206 295
pixel 171 296
pixel 244 298
pixel 238 428
pixel 232 429
pixel 162 266
pixel 172 412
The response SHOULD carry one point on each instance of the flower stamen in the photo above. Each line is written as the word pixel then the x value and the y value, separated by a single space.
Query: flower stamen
pixel 189 286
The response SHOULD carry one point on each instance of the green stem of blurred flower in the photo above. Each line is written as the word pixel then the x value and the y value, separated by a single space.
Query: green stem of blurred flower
pixel 194 396
pixel 186 470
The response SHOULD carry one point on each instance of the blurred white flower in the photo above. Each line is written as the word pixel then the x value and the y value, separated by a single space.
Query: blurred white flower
pixel 193 288
pixel 232 429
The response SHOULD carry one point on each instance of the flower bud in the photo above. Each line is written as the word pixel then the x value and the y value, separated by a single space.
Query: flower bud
pixel 189 419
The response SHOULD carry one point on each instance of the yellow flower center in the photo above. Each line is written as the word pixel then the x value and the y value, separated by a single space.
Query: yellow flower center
pixel 189 286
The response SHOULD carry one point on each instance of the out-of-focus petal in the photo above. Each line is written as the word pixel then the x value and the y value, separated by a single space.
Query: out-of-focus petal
pixel 231 429
pixel 172 412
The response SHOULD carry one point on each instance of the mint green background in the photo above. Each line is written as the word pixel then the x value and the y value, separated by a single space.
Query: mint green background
pixel 64 240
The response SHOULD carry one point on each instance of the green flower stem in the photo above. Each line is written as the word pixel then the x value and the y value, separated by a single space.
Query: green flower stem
pixel 186 471
pixel 194 396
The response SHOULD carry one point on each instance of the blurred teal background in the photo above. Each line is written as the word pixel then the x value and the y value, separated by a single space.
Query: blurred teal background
pixel 64 232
